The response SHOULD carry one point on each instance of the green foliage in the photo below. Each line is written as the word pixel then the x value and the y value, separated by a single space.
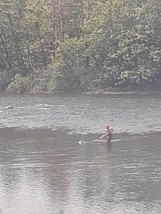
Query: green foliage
pixel 53 45
pixel 68 66
pixel 19 85
pixel 124 38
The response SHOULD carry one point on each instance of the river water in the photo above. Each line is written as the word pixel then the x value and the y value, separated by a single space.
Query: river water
pixel 52 163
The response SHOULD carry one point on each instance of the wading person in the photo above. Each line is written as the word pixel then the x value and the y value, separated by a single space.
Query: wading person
pixel 107 134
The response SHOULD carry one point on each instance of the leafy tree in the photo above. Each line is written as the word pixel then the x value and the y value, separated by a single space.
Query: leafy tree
pixel 80 44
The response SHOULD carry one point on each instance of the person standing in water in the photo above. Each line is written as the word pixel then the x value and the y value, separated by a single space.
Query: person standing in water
pixel 107 134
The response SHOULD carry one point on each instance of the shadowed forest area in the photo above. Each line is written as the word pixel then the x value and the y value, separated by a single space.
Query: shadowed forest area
pixel 80 45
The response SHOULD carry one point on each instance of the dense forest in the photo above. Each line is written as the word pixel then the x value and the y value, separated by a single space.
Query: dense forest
pixel 80 45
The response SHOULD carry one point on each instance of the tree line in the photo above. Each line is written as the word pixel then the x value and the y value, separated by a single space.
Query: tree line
pixel 66 45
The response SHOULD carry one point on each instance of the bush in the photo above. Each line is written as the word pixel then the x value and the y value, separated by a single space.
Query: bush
pixel 19 84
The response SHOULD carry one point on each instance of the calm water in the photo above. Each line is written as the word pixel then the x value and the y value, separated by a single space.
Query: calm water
pixel 50 162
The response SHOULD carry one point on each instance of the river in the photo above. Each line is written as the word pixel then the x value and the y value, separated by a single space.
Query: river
pixel 52 163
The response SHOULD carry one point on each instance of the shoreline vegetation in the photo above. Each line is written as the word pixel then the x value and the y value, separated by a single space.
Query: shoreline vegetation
pixel 108 91
pixel 82 46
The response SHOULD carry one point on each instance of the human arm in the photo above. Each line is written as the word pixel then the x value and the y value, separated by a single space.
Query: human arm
pixel 103 135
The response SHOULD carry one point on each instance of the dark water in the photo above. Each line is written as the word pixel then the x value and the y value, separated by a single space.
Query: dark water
pixel 50 162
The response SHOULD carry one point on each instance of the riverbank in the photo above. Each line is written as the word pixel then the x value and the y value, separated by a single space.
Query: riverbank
pixel 100 91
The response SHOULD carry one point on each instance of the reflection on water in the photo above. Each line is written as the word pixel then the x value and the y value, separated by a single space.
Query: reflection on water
pixel 49 172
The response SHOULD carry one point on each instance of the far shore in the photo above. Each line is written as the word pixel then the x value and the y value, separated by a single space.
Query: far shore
pixel 92 92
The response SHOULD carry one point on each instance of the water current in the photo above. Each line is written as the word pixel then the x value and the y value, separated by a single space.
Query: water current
pixel 52 163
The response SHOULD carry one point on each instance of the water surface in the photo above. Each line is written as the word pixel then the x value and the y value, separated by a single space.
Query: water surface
pixel 132 113
pixel 50 162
